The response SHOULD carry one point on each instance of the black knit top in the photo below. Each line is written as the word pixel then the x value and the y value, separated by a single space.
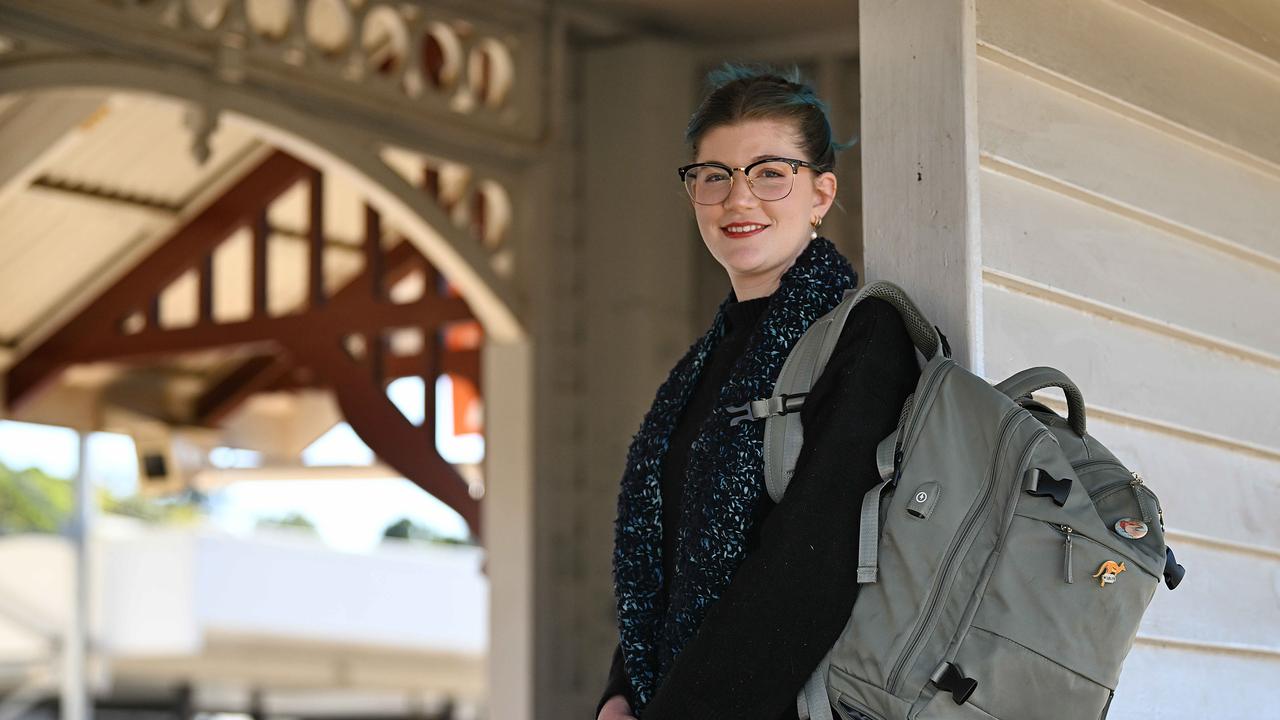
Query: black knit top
pixel 795 589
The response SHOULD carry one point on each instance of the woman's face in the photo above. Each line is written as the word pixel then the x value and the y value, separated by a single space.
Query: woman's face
pixel 755 262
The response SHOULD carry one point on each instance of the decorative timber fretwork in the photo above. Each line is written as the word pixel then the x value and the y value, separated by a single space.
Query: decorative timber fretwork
pixel 338 339
pixel 476 67
pixel 346 85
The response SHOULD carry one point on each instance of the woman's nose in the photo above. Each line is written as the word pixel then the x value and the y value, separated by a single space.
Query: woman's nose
pixel 740 192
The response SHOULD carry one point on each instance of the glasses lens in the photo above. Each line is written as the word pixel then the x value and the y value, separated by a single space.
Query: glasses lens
pixel 771 180
pixel 707 184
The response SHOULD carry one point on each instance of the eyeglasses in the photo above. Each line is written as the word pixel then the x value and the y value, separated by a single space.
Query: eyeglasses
pixel 768 178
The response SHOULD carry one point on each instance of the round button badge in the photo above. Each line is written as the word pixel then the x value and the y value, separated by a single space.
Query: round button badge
pixel 1131 528
pixel 922 496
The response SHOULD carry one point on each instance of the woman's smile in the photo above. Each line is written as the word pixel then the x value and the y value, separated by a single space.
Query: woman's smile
pixel 743 230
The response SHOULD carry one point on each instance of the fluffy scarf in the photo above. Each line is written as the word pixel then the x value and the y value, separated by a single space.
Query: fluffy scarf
pixel 724 478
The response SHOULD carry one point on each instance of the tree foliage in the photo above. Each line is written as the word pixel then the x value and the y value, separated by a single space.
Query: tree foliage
pixel 289 520
pixel 34 501
pixel 407 529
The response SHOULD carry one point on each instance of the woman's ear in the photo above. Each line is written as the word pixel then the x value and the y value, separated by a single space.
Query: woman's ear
pixel 824 192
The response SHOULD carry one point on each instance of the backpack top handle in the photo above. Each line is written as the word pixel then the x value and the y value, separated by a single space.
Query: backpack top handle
pixel 1024 383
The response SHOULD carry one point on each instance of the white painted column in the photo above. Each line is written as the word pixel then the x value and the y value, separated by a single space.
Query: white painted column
pixel 76 700
pixel 920 160
pixel 611 279
pixel 508 526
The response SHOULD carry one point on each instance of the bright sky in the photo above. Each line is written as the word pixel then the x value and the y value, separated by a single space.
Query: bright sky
pixel 348 514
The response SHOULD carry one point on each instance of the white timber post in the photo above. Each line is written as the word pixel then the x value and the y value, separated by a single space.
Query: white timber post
pixel 920 161
pixel 508 527
pixel 76 701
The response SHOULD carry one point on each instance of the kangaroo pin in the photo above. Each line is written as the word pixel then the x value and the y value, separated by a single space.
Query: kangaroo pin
pixel 1108 572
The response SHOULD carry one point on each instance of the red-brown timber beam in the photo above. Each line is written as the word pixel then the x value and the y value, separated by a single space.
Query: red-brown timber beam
pixel 313 338
pixel 385 430
pixel 256 375
pixel 138 290
pixel 364 316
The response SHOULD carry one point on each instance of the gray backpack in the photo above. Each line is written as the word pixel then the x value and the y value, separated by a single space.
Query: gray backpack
pixel 1006 558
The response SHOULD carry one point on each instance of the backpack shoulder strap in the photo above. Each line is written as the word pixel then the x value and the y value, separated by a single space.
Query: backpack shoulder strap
pixel 784 433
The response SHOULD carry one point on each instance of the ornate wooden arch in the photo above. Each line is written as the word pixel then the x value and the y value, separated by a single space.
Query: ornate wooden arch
pixel 333 111
pixel 123 324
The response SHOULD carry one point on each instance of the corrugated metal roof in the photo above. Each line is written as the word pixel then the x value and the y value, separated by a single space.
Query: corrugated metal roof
pixel 52 244
pixel 114 180
pixel 96 198
pixel 141 146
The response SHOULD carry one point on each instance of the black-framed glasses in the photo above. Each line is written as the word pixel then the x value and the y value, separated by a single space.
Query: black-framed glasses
pixel 770 178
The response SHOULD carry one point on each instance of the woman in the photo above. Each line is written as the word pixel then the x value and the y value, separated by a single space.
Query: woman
pixel 727 602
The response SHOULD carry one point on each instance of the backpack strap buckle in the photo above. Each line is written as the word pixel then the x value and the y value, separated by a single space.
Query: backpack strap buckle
pixel 1041 484
pixel 768 407
pixel 950 678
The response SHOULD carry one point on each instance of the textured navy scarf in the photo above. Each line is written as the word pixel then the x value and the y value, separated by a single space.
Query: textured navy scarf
pixel 724 478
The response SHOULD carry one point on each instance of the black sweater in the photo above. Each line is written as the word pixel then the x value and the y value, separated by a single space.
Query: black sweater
pixel 794 591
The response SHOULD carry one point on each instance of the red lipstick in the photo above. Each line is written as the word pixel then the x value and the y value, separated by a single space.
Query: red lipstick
pixel 742 230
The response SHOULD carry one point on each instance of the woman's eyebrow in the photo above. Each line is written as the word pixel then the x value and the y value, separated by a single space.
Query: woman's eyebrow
pixel 758 157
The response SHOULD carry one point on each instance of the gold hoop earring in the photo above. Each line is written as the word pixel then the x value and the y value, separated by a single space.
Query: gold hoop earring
pixel 813 234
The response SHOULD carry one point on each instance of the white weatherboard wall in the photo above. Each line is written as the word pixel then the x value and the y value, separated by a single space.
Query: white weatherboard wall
pixel 1129 193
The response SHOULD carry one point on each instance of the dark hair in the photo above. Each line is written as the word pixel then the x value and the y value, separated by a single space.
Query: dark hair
pixel 761 92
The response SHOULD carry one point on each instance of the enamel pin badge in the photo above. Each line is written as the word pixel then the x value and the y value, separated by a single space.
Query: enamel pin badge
pixel 1131 528
pixel 1108 572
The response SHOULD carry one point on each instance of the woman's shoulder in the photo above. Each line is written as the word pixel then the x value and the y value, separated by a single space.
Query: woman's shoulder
pixel 871 370
pixel 876 323
pixel 873 347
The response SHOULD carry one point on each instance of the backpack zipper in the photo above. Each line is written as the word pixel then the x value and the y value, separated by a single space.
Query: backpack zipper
pixel 859 713
pixel 917 408
pixel 1134 484
pixel 944 575
pixel 1067 531
pixel 1071 532
pixel 963 629
pixel 1080 467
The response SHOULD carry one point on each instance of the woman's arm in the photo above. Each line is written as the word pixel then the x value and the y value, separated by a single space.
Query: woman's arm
pixel 793 594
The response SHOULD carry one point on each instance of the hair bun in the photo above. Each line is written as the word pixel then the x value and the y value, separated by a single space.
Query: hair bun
pixel 742 92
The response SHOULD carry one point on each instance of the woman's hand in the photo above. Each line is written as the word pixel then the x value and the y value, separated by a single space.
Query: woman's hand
pixel 617 708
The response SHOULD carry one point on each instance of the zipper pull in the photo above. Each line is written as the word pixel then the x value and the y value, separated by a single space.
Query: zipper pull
pixel 1137 497
pixel 1067 530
